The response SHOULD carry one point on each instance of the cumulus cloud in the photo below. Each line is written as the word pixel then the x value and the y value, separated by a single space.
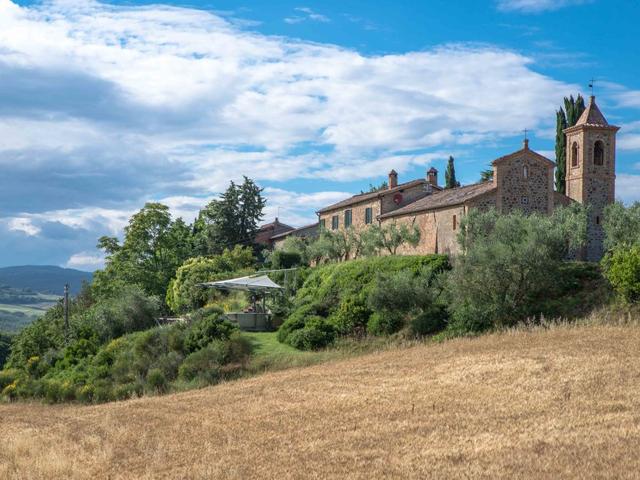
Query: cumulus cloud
pixel 88 261
pixel 110 106
pixel 304 14
pixel 628 187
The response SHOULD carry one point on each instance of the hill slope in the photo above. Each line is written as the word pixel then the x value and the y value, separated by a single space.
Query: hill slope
pixel 43 278
pixel 559 403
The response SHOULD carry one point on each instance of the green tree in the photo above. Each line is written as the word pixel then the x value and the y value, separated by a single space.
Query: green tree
pixel 154 247
pixel 390 237
pixel 621 226
pixel 450 175
pixel 232 219
pixel 508 262
pixel 376 188
pixel 622 269
pixel 184 293
pixel 565 118
pixel 486 175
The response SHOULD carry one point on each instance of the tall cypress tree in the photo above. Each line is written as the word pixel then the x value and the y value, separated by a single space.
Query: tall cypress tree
pixel 566 118
pixel 450 175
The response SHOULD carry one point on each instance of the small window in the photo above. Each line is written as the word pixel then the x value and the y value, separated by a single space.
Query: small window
pixel 525 171
pixel 322 223
pixel 334 222
pixel 597 220
pixel 368 215
pixel 347 218
pixel 598 153
pixel 455 222
pixel 524 200
pixel 574 154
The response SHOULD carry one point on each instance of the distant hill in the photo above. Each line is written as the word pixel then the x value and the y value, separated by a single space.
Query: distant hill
pixel 43 278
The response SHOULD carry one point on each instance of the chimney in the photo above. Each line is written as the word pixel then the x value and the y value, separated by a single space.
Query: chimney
pixel 393 179
pixel 432 176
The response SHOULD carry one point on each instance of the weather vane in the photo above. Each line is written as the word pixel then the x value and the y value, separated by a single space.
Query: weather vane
pixel 591 85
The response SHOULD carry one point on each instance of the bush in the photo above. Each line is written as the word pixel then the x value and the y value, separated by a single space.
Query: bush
pixel 384 323
pixel 156 380
pixel 339 293
pixel 622 269
pixel 208 324
pixel 430 321
pixel 285 259
pixel 316 334
pixel 5 348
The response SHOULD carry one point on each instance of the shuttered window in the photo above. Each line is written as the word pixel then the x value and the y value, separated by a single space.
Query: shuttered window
pixel 347 218
pixel 368 215
pixel 322 223
pixel 334 222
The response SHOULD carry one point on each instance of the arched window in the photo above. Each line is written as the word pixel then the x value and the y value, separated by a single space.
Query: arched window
pixel 598 153
pixel 525 171
pixel 574 154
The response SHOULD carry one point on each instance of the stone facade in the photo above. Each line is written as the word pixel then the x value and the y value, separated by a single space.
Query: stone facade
pixel 591 164
pixel 523 180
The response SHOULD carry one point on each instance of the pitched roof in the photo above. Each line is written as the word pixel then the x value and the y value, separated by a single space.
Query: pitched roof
pixel 296 230
pixel 363 197
pixel 526 150
pixel 592 115
pixel 445 198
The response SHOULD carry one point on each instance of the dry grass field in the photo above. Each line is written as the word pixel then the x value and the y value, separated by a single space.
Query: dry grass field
pixel 558 403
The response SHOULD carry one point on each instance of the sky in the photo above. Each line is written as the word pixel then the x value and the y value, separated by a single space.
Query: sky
pixel 106 106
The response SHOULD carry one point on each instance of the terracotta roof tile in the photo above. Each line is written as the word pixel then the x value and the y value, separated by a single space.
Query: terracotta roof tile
pixel 592 115
pixel 445 198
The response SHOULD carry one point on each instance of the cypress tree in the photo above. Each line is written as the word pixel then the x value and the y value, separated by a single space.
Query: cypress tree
pixel 450 175
pixel 566 118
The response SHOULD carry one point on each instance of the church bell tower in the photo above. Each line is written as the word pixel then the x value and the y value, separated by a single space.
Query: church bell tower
pixel 591 171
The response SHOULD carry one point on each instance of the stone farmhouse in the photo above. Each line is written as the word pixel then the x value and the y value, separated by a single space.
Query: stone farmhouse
pixel 522 180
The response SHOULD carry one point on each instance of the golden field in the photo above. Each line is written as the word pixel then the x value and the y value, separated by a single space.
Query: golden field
pixel 545 403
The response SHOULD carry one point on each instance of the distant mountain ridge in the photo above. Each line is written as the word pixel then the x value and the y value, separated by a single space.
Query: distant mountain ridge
pixel 44 278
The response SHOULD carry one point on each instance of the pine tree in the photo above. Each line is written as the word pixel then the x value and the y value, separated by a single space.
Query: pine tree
pixel 450 175
pixel 566 118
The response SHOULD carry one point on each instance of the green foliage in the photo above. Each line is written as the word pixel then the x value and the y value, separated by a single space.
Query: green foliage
pixel 156 380
pixel 565 118
pixel 339 293
pixel 217 360
pixel 450 175
pixel 286 259
pixel 317 333
pixel 184 293
pixel 154 247
pixel 486 175
pixel 5 347
pixel 207 325
pixel 229 220
pixel 431 320
pixel 376 188
pixel 509 262
pixel 622 269
pixel 621 225
pixel 384 323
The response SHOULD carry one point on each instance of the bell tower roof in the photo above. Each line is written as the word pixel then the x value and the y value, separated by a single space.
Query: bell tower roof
pixel 592 115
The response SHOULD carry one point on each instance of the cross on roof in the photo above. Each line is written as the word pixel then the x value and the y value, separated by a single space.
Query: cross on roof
pixel 591 85
pixel 525 133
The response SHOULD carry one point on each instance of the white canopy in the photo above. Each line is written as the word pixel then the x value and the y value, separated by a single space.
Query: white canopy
pixel 254 284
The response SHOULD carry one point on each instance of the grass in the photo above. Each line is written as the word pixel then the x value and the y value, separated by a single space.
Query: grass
pixel 556 401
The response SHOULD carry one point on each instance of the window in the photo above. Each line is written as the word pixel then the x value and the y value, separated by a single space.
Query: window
pixel 347 218
pixel 597 220
pixel 574 154
pixel 334 222
pixel 322 223
pixel 368 215
pixel 598 153
pixel 524 200
pixel 455 222
pixel 525 171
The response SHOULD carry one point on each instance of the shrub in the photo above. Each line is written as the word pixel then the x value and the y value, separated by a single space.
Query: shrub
pixel 285 259
pixel 316 334
pixel 622 269
pixel 339 293
pixel 208 324
pixel 203 364
pixel 430 321
pixel 156 380
pixel 384 323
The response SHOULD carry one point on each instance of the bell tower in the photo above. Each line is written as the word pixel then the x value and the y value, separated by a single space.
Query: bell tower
pixel 591 171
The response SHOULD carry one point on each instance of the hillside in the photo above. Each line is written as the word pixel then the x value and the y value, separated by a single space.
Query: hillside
pixel 556 403
pixel 43 278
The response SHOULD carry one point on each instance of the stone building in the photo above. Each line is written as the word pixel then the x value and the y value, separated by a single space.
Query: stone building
pixel 522 180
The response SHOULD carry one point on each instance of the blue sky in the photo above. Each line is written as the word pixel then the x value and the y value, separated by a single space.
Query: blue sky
pixel 104 106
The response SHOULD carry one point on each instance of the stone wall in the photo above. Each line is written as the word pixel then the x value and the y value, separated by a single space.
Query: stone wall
pixel 529 193
pixel 357 214
pixel 409 195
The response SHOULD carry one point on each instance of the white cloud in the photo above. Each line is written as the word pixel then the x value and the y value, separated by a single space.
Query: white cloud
pixel 23 225
pixel 85 261
pixel 536 6
pixel 628 187
pixel 298 208
pixel 305 13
